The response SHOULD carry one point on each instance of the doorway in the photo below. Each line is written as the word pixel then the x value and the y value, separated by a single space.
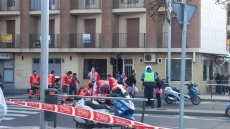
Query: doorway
pixel 120 67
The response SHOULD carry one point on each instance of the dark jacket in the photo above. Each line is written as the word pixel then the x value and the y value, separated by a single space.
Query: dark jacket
pixel 159 83
pixel 131 80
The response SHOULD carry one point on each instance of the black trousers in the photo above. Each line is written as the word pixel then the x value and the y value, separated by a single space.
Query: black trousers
pixel 158 96
pixel 148 93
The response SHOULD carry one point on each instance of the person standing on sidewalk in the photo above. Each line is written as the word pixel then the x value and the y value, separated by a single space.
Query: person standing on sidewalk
pixel 131 82
pixel 73 84
pixel 158 90
pixel 148 77
pixel 65 85
pixel 51 79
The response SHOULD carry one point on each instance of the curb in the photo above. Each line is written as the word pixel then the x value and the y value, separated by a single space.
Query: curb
pixel 187 113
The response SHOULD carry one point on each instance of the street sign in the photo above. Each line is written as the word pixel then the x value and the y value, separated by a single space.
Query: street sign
pixel 178 9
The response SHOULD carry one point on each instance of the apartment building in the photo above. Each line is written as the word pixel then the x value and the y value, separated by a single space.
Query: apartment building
pixel 113 26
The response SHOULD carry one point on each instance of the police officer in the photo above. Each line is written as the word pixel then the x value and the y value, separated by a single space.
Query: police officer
pixel 148 77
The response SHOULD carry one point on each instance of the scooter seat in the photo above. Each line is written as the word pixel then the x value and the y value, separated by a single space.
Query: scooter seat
pixel 97 106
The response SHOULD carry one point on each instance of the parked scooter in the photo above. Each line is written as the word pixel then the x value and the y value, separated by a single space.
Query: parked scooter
pixel 123 108
pixel 172 94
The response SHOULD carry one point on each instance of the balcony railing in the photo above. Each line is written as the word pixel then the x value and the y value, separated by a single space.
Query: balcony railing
pixel 13 41
pixel 82 41
pixel 128 4
pixel 35 5
pixel 9 5
pixel 85 4
pixel 35 41
pixel 128 40
pixel 162 40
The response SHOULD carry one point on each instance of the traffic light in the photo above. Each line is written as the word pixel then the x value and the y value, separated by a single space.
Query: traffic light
pixel 111 60
pixel 118 55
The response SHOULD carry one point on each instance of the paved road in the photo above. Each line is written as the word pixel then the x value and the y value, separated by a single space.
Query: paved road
pixel 155 120
pixel 206 105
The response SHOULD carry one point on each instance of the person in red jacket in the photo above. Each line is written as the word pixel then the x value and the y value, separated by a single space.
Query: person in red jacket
pixel 34 82
pixel 73 84
pixel 113 84
pixel 102 87
pixel 51 80
pixel 65 85
pixel 96 75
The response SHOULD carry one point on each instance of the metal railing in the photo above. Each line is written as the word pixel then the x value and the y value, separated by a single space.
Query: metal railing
pixel 129 40
pixel 35 5
pixel 144 100
pixel 128 4
pixel 9 5
pixel 85 4
pixel 35 41
pixel 78 41
pixel 14 43
pixel 162 39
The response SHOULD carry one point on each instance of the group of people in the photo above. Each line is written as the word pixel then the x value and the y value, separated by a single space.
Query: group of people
pixel 151 84
pixel 222 80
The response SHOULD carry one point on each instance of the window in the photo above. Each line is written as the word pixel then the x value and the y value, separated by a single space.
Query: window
pixel 36 61
pixel 10 3
pixel 210 71
pixel 176 69
pixel 133 1
pixel 57 61
pixel 51 61
pixel 100 66
pixel 89 2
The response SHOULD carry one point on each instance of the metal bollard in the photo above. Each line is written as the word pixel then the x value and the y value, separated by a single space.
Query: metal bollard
pixel 51 98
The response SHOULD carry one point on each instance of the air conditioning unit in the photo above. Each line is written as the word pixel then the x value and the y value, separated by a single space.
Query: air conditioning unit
pixel 150 58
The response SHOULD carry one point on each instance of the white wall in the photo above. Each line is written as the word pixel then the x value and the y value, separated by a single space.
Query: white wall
pixel 213 27
pixel 80 23
pixel 56 24
pixel 3 24
pixel 123 18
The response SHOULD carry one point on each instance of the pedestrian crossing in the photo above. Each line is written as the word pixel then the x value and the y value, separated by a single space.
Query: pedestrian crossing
pixel 16 111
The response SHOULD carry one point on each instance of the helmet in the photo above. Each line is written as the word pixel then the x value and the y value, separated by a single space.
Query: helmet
pixel 148 66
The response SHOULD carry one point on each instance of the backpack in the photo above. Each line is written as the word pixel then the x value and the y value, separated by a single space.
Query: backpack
pixel 3 106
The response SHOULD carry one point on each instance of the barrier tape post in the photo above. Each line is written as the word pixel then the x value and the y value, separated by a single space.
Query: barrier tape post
pixel 85 114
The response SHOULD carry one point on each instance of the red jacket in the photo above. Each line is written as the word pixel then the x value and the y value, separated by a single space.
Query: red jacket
pixel 51 80
pixel 96 75
pixel 34 80
pixel 113 83
pixel 101 83
pixel 65 80
pixel 74 81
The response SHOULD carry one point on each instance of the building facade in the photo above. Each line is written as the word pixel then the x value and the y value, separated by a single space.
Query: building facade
pixel 114 26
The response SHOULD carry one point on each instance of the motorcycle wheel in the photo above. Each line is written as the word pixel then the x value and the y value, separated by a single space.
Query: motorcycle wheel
pixel 168 101
pixel 196 100
pixel 227 112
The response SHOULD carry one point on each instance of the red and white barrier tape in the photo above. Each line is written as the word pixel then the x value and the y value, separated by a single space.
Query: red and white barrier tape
pixel 84 113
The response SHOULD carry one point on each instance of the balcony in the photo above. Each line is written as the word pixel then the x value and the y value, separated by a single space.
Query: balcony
pixel 162 40
pixel 128 6
pixel 228 25
pixel 9 41
pixel 9 7
pixel 80 41
pixel 129 40
pixel 82 7
pixel 35 41
pixel 35 7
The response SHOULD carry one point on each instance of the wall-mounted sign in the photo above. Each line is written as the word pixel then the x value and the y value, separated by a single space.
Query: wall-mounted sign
pixel 86 38
pixel 219 60
pixel 6 56
pixel 6 38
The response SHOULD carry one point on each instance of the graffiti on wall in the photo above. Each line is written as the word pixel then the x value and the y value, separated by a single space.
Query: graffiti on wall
pixel 22 73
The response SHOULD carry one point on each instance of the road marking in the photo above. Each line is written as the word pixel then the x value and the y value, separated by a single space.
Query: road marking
pixel 5 127
pixel 21 108
pixel 170 127
pixel 7 118
pixel 17 115
pixel 26 112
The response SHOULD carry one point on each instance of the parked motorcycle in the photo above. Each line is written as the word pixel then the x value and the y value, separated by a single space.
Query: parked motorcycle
pixel 123 108
pixel 227 111
pixel 172 94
